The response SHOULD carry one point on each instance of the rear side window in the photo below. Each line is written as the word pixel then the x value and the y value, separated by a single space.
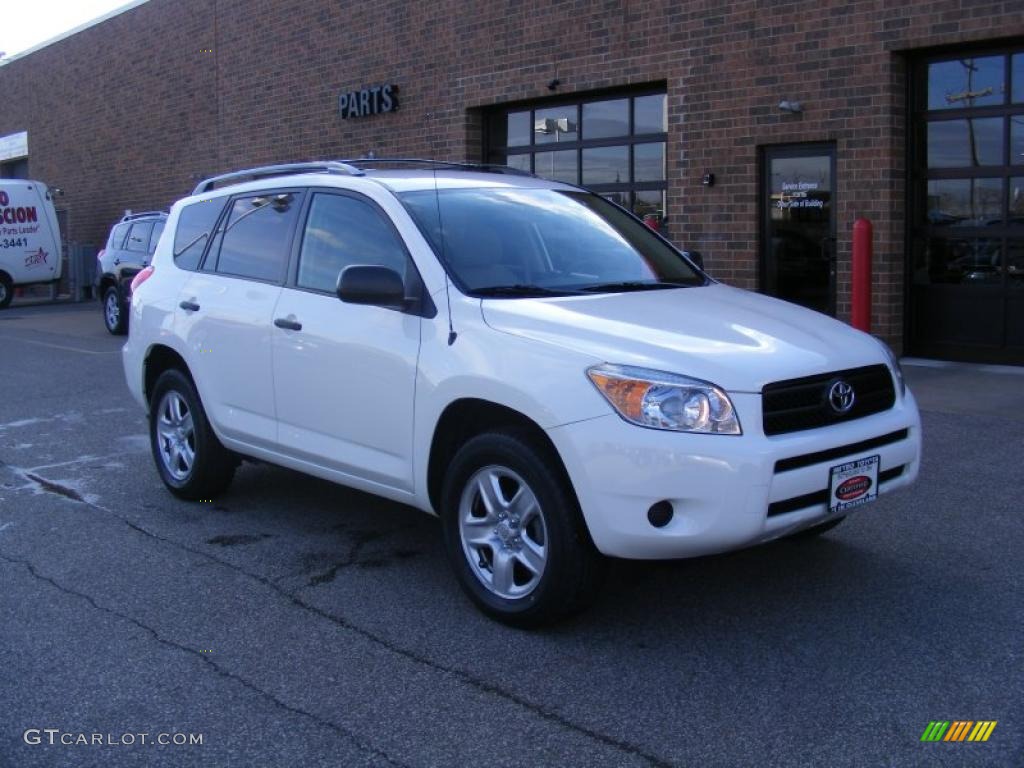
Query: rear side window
pixel 195 225
pixel 342 231
pixel 257 237
pixel 117 236
pixel 158 229
pixel 138 238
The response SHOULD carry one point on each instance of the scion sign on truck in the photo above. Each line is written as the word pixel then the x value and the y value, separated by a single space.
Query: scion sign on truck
pixel 29 238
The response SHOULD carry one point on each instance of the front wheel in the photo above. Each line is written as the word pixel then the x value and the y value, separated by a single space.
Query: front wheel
pixel 113 316
pixel 6 291
pixel 514 532
pixel 191 460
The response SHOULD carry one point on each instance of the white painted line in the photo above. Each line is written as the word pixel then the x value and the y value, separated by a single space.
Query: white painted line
pixel 5 526
pixel 61 346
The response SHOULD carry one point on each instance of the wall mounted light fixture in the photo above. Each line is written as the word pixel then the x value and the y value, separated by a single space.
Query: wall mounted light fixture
pixel 793 107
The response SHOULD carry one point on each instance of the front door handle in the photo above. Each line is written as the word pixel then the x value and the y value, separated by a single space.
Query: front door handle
pixel 288 325
pixel 191 306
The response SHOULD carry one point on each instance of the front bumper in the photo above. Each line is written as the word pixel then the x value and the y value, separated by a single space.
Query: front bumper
pixel 727 492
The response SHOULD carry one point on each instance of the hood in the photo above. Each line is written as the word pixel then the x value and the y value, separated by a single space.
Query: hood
pixel 736 339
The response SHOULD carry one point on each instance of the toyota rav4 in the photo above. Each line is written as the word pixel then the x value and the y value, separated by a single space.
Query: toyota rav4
pixel 520 357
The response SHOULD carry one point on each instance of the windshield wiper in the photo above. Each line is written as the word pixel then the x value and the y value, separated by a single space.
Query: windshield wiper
pixel 523 291
pixel 631 285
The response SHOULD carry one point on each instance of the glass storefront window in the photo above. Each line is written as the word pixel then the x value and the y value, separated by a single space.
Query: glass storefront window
pixel 615 144
pixel 966 83
pixel 519 162
pixel 558 165
pixel 604 119
pixel 972 261
pixel 1015 263
pixel 649 205
pixel 649 162
pixel 649 114
pixel 1016 139
pixel 965 143
pixel 555 125
pixel 518 129
pixel 1017 200
pixel 1017 77
pixel 965 202
pixel 649 202
pixel 606 165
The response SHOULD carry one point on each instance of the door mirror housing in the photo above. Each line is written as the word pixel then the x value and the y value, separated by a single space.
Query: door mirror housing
pixel 377 286
pixel 695 257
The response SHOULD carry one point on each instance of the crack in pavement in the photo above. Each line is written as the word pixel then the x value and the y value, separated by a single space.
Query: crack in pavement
pixel 220 671
pixel 461 675
pixel 361 539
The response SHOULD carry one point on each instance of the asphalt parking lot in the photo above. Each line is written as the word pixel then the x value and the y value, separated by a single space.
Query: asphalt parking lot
pixel 296 623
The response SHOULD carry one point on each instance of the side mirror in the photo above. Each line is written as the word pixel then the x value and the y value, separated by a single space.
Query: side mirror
pixel 378 286
pixel 695 257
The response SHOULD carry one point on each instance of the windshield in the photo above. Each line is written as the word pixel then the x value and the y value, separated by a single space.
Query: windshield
pixel 538 242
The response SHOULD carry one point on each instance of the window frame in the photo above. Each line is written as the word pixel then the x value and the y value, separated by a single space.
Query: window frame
pixel 118 245
pixel 211 259
pixel 154 237
pixel 576 101
pixel 414 285
pixel 131 232
pixel 212 234
pixel 918 230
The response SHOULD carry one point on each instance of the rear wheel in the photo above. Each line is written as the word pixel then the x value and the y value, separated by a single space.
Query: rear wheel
pixel 6 291
pixel 191 460
pixel 514 533
pixel 113 317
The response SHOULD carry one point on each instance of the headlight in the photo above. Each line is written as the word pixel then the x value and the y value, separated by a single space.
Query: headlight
pixel 665 400
pixel 897 369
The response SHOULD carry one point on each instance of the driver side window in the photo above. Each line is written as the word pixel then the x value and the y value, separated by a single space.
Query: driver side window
pixel 342 231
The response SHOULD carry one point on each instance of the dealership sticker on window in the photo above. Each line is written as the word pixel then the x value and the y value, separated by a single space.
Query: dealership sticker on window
pixel 853 484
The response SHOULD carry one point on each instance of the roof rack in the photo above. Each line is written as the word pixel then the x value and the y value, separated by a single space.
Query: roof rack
pixel 485 167
pixel 287 169
pixel 131 216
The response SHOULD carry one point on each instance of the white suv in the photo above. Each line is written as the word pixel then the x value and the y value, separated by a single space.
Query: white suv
pixel 520 357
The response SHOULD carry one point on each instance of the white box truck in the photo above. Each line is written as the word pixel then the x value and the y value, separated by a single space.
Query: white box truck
pixel 29 237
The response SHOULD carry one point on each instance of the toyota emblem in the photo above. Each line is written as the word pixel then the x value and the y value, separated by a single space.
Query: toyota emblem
pixel 841 396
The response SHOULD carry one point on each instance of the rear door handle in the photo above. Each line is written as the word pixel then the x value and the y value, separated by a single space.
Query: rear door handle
pixel 288 325
pixel 191 306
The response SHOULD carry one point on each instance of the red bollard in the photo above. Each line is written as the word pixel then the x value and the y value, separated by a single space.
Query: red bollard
pixel 860 316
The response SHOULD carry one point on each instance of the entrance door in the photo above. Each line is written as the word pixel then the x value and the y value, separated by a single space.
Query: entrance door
pixel 798 225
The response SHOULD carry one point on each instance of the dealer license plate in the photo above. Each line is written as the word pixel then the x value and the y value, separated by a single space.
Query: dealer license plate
pixel 853 484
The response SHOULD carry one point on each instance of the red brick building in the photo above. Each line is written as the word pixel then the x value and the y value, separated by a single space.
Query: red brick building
pixel 755 132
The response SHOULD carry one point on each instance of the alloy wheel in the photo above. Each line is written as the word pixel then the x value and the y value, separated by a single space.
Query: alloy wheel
pixel 503 532
pixel 176 437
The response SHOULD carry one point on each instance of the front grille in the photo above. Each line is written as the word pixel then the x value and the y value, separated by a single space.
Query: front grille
pixel 821 497
pixel 796 404
pixel 806 460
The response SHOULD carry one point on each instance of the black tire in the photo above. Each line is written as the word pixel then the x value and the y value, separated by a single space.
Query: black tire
pixel 572 567
pixel 816 531
pixel 114 316
pixel 6 291
pixel 212 466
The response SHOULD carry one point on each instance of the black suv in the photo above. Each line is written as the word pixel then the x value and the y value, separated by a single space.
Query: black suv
pixel 129 248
